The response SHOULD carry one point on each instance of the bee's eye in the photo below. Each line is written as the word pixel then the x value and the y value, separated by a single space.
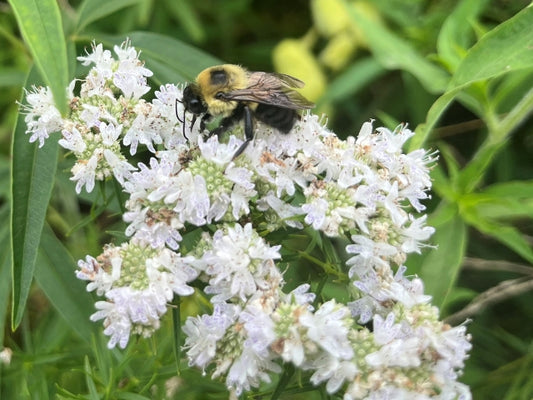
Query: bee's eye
pixel 192 101
pixel 219 96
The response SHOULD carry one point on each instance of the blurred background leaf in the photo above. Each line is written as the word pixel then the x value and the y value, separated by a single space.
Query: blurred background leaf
pixel 41 26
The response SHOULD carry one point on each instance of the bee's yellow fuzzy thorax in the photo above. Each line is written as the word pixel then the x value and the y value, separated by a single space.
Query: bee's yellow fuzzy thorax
pixel 221 78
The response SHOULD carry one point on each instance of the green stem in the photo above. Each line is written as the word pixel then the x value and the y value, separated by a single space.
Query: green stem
pixel 325 266
pixel 518 114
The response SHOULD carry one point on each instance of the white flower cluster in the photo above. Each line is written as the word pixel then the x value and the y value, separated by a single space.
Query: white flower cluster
pixel 386 343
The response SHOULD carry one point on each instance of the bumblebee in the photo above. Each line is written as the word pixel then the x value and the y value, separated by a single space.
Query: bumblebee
pixel 235 94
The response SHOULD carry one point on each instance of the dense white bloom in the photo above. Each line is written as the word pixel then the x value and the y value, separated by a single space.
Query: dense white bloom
pixel 239 263
pixel 127 73
pixel 138 282
pixel 221 213
pixel 128 307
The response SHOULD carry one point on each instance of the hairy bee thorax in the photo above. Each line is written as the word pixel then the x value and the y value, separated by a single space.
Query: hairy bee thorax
pixel 221 78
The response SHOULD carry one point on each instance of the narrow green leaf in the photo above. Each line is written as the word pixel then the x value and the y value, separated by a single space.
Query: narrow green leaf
pixel 353 79
pixel 394 52
pixel 180 58
pixel 93 10
pixel 5 270
pixel 504 208
pixel 447 153
pixel 470 177
pixel 515 189
pixel 91 385
pixel 284 380
pixel 502 201
pixel 55 274
pixel 506 234
pixel 33 172
pixel 510 90
pixel 437 109
pixel 131 396
pixel 441 266
pixel 41 26
pixel 506 48
pixel 456 33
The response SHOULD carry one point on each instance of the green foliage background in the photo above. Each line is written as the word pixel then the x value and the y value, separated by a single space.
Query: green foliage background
pixel 460 72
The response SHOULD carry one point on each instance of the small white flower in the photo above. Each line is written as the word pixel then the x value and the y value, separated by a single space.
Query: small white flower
pixel 100 280
pixel 109 133
pixel 368 254
pixel 5 356
pixel 316 212
pixel 249 370
pixel 191 198
pixel 285 211
pixel 118 164
pixel 125 309
pixel 102 59
pixel 130 75
pixel 72 140
pixel 205 331
pixel 145 129
pixel 333 370
pixel 92 116
pixel 42 116
pixel 259 330
pixel 390 202
pixel 328 328
pixel 84 174
pixel 415 234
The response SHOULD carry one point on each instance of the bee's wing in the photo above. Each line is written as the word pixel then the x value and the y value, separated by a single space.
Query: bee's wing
pixel 272 88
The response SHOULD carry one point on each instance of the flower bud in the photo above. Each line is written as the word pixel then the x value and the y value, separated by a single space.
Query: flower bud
pixel 330 16
pixel 338 51
pixel 292 57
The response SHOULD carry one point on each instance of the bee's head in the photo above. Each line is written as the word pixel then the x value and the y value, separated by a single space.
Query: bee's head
pixel 193 101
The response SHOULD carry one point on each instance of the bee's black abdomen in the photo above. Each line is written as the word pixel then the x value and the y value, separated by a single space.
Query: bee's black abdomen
pixel 282 119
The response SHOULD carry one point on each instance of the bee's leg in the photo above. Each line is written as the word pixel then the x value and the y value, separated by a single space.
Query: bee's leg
pixel 205 118
pixel 248 131
pixel 229 121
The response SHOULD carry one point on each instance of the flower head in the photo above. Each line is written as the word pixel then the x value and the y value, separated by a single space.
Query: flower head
pixel 233 226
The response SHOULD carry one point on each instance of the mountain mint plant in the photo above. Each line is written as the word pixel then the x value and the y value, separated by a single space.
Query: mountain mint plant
pixel 363 195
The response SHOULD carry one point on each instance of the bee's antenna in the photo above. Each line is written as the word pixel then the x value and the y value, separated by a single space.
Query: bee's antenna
pixel 183 129
pixel 176 106
pixel 183 122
